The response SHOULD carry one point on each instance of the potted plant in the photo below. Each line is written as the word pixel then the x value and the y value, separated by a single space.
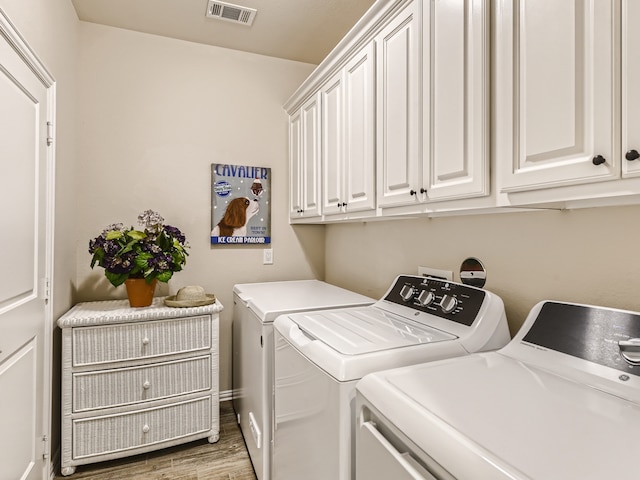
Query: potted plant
pixel 140 257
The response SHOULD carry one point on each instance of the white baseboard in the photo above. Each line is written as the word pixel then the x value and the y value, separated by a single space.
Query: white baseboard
pixel 226 395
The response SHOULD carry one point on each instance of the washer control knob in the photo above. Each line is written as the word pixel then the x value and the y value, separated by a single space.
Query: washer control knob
pixel 448 303
pixel 425 298
pixel 406 293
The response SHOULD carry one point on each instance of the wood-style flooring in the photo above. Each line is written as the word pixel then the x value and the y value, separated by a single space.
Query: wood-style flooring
pixel 200 460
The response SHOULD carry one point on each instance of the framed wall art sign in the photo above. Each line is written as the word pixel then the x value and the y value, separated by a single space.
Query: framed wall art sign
pixel 240 204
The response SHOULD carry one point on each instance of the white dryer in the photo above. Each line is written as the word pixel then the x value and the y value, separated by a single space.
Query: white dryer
pixel 560 402
pixel 255 306
pixel 319 357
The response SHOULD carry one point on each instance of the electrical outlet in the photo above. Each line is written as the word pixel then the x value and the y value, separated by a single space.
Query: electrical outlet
pixel 436 273
pixel 267 256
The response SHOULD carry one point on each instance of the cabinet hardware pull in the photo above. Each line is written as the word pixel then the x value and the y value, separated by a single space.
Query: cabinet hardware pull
pixel 632 155
pixel 412 192
pixel 423 190
pixel 598 160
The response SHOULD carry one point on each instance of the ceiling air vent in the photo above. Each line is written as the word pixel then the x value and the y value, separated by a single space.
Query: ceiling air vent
pixel 230 12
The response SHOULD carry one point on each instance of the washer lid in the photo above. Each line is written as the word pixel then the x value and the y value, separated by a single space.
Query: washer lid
pixel 355 331
pixel 270 299
pixel 488 416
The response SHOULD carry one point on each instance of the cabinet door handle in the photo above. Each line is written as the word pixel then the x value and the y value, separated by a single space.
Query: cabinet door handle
pixel 632 155
pixel 412 192
pixel 598 160
pixel 423 190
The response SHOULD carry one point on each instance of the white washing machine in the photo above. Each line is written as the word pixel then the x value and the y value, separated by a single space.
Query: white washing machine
pixel 255 306
pixel 319 357
pixel 560 402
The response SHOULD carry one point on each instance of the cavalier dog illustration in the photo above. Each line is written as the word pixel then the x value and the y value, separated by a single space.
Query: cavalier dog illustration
pixel 235 219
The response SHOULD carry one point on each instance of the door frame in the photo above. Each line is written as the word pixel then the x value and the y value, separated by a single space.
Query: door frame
pixel 11 34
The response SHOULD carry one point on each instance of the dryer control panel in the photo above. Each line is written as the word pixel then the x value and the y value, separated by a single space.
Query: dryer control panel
pixel 453 301
pixel 605 336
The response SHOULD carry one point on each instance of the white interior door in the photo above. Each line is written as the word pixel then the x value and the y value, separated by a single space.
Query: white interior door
pixel 26 96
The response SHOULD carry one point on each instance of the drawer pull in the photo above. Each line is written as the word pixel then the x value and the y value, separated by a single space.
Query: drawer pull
pixel 146 385
pixel 145 341
pixel 145 429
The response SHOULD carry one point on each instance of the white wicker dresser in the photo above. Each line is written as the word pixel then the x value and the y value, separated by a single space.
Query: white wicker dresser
pixel 137 379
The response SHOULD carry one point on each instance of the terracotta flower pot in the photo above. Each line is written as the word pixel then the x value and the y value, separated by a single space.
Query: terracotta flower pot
pixel 140 292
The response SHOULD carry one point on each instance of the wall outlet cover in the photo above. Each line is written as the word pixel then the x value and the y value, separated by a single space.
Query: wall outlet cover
pixel 436 273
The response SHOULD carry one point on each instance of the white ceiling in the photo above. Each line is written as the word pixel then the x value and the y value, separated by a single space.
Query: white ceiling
pixel 301 30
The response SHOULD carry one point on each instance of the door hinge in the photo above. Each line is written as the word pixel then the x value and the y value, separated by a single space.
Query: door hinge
pixel 45 447
pixel 49 134
pixel 46 289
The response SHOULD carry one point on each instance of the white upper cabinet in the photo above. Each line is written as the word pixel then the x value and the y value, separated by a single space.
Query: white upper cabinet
pixel 630 88
pixel 404 116
pixel 433 104
pixel 348 142
pixel 304 159
pixel 435 107
pixel 555 84
pixel 398 109
pixel 333 148
pixel 455 99
pixel 295 167
pixel 360 115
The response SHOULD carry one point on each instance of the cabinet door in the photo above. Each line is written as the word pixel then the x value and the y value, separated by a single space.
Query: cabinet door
pixel 456 99
pixel 311 157
pixel 630 88
pixel 555 93
pixel 304 158
pixel 398 107
pixel 360 171
pixel 295 165
pixel 333 144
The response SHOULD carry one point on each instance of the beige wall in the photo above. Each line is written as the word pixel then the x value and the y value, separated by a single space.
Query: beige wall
pixel 585 256
pixel 156 113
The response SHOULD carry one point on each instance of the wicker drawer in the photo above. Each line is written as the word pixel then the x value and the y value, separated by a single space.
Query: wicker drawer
pixel 118 433
pixel 123 386
pixel 128 341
